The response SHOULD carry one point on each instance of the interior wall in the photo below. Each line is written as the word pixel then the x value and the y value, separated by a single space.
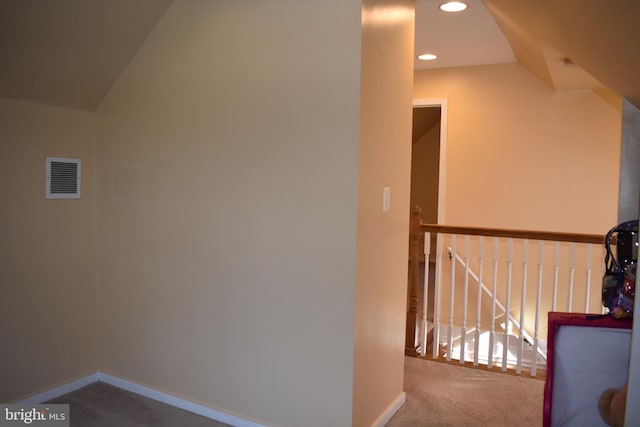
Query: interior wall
pixel 47 308
pixel 385 161
pixel 629 160
pixel 520 155
pixel 227 154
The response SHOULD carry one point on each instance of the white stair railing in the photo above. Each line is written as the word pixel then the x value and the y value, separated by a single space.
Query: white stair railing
pixel 476 348
pixel 523 308
pixel 536 333
pixel 425 299
pixel 496 302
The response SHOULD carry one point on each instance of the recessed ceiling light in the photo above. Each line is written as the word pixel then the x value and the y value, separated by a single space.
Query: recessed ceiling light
pixel 453 6
pixel 427 57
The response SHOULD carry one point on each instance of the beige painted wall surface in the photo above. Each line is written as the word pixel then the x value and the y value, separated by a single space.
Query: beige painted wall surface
pixel 385 161
pixel 520 155
pixel 47 279
pixel 227 181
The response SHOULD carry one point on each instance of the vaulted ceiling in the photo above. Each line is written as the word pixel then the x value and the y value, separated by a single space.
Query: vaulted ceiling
pixel 600 37
pixel 423 120
pixel 70 52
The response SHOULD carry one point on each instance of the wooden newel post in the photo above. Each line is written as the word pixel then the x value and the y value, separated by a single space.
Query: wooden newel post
pixel 412 341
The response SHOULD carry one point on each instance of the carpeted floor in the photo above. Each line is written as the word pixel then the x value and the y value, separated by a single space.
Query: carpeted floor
pixel 102 405
pixel 440 394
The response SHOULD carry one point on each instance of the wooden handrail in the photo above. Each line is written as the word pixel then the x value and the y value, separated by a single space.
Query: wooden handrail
pixel 516 234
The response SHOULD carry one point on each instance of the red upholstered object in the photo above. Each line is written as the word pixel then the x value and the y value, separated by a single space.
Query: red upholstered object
pixel 555 322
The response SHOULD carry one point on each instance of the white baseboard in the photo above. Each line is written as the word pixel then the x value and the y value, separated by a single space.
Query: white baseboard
pixel 176 401
pixel 384 418
pixel 143 391
pixel 60 390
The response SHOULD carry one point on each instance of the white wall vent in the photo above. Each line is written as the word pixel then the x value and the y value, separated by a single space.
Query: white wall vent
pixel 63 178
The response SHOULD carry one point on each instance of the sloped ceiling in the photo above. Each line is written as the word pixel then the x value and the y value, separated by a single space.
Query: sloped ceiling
pixel 70 52
pixel 601 37
pixel 423 120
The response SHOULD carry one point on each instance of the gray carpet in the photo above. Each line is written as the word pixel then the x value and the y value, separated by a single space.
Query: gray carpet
pixel 440 394
pixel 102 405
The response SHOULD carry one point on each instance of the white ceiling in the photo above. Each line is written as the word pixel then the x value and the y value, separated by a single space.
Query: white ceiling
pixel 470 37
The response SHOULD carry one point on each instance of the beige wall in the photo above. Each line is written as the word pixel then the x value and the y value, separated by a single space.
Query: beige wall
pixel 228 159
pixel 385 161
pixel 520 155
pixel 47 279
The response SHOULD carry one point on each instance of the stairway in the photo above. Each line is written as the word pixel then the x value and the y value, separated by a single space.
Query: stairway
pixel 498 348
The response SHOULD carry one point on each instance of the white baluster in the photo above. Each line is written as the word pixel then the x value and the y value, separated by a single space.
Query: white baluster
pixel 425 292
pixel 436 305
pixel 572 269
pixel 556 268
pixel 536 333
pixel 463 343
pixel 492 327
pixel 476 347
pixel 523 298
pixel 507 315
pixel 589 256
pixel 451 296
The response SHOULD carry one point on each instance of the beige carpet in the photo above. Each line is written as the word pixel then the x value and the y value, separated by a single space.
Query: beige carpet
pixel 440 394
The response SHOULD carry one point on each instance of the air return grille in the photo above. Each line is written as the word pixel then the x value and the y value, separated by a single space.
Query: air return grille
pixel 63 178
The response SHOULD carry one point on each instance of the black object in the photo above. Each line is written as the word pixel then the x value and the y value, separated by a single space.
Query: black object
pixel 619 281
